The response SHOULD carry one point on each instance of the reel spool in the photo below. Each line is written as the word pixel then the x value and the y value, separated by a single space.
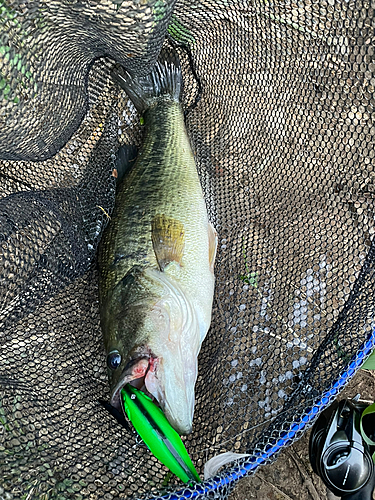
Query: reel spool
pixel 338 453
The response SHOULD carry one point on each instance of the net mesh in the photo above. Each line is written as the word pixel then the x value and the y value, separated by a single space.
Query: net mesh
pixel 280 111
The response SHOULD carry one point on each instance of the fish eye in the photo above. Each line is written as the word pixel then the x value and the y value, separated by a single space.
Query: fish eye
pixel 113 360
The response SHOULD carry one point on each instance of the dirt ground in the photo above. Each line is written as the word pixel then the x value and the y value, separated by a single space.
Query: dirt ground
pixel 291 476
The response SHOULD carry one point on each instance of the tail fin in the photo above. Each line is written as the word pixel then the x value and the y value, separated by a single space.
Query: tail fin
pixel 164 82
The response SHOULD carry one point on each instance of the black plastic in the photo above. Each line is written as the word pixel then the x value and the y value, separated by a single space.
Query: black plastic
pixel 116 414
pixel 364 493
pixel 338 453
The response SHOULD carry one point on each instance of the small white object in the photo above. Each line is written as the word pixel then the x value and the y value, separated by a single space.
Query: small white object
pixel 213 465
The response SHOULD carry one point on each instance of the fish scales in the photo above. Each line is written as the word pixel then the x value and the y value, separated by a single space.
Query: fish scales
pixel 164 180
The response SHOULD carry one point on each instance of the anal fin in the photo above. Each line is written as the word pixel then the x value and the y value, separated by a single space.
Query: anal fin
pixel 168 240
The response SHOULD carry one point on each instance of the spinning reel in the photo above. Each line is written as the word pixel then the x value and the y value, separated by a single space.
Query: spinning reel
pixel 338 453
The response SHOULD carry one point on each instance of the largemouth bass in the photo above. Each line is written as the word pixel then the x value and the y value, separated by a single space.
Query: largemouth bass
pixel 157 255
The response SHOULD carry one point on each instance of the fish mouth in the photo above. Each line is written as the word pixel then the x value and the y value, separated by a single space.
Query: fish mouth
pixel 173 394
pixel 134 373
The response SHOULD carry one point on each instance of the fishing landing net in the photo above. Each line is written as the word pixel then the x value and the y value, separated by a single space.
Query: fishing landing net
pixel 279 100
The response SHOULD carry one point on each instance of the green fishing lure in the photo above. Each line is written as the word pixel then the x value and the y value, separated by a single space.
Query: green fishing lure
pixel 157 433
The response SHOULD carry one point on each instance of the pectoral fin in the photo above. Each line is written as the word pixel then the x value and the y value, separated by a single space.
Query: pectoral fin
pixel 212 245
pixel 168 240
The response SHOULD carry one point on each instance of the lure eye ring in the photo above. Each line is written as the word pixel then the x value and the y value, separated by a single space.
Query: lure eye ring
pixel 113 360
